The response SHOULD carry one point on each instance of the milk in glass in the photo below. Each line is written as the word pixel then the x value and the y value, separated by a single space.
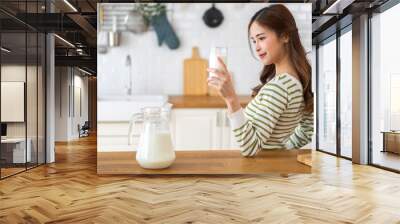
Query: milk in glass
pixel 216 52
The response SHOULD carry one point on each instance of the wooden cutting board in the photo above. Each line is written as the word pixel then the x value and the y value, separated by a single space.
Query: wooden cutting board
pixel 195 75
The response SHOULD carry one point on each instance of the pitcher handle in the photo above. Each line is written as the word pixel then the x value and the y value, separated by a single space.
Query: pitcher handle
pixel 135 118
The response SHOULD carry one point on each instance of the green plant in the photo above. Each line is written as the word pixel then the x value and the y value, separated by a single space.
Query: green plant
pixel 149 10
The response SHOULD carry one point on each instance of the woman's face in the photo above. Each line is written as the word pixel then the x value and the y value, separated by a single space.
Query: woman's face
pixel 268 46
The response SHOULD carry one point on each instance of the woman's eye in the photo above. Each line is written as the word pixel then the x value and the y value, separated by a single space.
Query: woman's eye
pixel 261 38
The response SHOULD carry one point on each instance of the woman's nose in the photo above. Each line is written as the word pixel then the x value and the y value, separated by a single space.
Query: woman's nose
pixel 257 47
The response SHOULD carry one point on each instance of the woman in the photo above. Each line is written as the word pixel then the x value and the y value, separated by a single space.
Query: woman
pixel 280 114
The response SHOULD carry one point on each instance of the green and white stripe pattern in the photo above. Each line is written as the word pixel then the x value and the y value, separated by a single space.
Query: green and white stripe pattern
pixel 274 119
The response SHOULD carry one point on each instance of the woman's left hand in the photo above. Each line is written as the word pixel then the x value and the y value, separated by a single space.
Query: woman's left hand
pixel 222 81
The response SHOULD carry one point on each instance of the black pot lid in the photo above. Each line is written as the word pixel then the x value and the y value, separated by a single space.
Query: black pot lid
pixel 213 17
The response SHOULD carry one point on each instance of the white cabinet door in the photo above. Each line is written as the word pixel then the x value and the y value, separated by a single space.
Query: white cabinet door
pixel 113 136
pixel 196 129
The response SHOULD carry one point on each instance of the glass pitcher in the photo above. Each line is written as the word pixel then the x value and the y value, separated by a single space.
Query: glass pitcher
pixel 155 149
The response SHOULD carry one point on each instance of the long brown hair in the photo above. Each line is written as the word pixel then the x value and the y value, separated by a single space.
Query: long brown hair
pixel 279 19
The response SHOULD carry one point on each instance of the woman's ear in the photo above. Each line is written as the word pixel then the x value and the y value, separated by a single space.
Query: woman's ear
pixel 285 38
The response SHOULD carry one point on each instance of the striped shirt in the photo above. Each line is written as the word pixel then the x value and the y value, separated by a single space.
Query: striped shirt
pixel 274 119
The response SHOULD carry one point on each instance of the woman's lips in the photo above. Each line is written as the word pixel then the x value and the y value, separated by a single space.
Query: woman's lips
pixel 262 55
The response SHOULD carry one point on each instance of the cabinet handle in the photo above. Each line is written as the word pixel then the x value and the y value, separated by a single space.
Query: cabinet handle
pixel 218 119
pixel 227 120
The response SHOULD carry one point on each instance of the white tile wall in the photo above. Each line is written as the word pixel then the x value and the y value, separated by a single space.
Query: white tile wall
pixel 159 70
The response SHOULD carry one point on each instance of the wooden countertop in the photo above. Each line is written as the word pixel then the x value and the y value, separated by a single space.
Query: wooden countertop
pixel 203 101
pixel 211 162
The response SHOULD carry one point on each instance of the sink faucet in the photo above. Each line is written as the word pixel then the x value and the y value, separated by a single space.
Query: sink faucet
pixel 128 62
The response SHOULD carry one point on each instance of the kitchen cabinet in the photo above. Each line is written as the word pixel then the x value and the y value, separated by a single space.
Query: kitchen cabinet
pixel 191 129
pixel 197 122
pixel 113 136
pixel 201 129
pixel 113 116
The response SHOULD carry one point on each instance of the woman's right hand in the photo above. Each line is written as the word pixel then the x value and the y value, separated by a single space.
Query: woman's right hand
pixel 222 82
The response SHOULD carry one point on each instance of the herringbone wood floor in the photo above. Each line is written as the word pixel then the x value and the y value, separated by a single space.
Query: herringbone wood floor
pixel 69 191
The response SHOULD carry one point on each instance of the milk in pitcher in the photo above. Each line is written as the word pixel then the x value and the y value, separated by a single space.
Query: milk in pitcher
pixel 156 149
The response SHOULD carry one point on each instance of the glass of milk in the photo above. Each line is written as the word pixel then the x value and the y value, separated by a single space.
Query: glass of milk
pixel 216 52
